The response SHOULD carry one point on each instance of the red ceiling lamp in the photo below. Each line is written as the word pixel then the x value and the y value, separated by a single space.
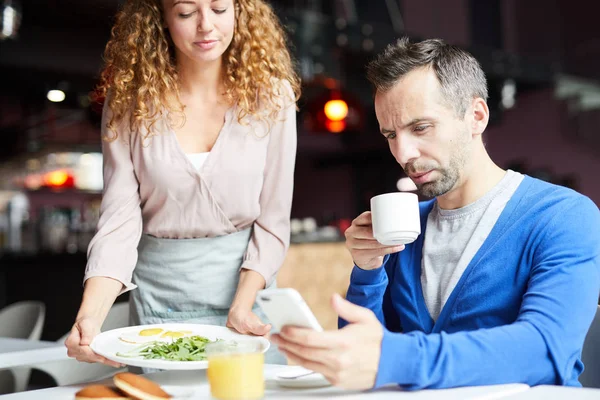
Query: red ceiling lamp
pixel 59 179
pixel 336 112
pixel 333 110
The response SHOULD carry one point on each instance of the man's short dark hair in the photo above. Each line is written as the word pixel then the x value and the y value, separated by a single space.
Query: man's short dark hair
pixel 459 73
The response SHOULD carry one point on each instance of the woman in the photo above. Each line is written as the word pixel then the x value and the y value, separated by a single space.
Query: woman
pixel 199 142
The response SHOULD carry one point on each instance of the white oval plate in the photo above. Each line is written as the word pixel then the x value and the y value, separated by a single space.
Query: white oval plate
pixel 108 344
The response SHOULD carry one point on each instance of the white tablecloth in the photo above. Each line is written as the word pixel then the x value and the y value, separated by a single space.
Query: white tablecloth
pixel 545 392
pixel 194 385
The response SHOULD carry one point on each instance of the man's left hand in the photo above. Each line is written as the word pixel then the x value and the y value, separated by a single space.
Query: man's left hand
pixel 348 358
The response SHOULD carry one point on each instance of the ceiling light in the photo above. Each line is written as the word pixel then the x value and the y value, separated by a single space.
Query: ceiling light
pixel 10 18
pixel 336 110
pixel 56 96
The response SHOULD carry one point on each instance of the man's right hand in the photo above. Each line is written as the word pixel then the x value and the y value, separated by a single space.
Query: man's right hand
pixel 78 342
pixel 366 252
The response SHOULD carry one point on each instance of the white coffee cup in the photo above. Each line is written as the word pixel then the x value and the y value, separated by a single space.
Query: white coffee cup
pixel 395 218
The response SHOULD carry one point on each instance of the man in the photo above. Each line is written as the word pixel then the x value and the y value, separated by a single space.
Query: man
pixel 502 284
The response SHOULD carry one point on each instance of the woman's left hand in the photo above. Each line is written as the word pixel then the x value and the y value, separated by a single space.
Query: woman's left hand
pixel 246 322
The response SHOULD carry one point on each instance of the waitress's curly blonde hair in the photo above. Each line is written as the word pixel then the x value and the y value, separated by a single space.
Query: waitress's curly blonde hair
pixel 140 71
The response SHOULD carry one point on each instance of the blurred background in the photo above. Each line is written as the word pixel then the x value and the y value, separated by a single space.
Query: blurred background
pixel 541 58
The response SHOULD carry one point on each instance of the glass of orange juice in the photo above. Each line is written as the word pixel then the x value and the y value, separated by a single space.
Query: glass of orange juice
pixel 235 370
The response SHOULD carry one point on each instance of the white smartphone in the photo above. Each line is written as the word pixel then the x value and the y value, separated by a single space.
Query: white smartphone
pixel 286 307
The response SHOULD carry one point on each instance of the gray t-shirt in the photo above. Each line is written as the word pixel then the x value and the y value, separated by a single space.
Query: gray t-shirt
pixel 453 237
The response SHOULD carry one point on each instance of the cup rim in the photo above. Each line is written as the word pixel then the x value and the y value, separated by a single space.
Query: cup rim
pixel 231 348
pixel 395 193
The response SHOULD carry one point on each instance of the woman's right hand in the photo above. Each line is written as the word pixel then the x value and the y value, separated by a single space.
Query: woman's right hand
pixel 78 342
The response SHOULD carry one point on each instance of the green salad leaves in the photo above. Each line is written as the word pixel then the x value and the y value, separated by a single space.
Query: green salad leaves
pixel 183 349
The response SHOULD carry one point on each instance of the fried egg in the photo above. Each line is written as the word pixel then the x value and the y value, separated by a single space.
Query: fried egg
pixel 152 335
pixel 143 336
pixel 171 334
pixel 150 332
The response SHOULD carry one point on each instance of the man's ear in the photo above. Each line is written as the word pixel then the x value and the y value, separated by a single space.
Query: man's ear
pixel 480 116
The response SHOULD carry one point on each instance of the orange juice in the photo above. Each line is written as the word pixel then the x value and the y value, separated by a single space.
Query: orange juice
pixel 235 374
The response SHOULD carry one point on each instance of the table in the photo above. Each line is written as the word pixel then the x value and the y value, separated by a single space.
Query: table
pixel 23 352
pixel 194 385
pixel 545 392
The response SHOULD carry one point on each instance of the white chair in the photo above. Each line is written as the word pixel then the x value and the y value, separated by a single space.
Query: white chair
pixel 22 320
pixel 70 372
pixel 590 356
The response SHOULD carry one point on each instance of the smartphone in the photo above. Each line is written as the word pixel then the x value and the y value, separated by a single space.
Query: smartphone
pixel 286 307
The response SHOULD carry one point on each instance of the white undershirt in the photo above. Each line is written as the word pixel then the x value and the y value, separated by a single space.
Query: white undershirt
pixel 198 159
